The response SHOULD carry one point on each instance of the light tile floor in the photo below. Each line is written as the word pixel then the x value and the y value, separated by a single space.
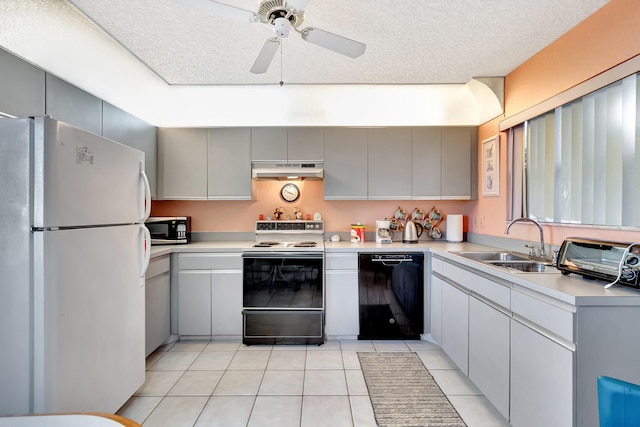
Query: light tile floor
pixel 225 383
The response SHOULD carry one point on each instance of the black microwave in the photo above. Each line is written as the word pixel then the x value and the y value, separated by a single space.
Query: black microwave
pixel 169 230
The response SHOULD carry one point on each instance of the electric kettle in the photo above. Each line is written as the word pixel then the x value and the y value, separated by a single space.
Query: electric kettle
pixel 412 231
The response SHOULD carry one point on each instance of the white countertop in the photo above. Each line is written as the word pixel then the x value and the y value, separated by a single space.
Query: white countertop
pixel 571 289
pixel 426 245
pixel 208 246
pixel 342 246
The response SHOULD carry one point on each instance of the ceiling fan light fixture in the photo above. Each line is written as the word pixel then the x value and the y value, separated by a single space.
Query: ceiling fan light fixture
pixel 281 16
pixel 282 27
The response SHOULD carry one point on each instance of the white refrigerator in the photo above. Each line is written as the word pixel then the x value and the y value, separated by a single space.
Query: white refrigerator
pixel 73 255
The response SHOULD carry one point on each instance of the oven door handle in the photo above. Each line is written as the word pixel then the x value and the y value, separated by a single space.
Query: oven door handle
pixel 282 254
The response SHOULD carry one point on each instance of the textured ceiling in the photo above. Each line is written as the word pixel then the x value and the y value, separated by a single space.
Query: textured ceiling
pixel 408 42
pixel 174 66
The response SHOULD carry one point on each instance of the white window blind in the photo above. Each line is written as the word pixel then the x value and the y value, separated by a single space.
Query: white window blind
pixel 515 171
pixel 583 158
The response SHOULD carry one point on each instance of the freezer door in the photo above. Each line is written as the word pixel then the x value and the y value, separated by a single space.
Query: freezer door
pixel 15 266
pixel 84 179
pixel 89 319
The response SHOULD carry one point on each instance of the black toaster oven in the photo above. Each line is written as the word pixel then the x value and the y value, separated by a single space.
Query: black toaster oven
pixel 599 259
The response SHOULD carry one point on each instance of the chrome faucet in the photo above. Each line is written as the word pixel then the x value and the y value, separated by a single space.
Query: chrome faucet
pixel 543 253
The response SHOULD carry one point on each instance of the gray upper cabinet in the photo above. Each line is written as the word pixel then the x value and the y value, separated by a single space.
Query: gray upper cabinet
pixel 182 164
pixel 204 164
pixel 269 144
pixel 72 105
pixel 426 147
pixel 421 163
pixel 21 87
pixel 345 168
pixel 389 164
pixel 402 163
pixel 287 144
pixel 229 173
pixel 305 144
pixel 120 126
pixel 459 163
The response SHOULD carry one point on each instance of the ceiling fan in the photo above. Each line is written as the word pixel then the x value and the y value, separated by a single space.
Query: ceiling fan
pixel 281 16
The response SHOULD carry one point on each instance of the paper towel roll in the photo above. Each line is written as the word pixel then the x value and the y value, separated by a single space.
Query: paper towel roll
pixel 454 228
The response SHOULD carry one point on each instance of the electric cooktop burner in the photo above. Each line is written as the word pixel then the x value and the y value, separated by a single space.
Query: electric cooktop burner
pixel 308 244
pixel 265 244
pixel 305 245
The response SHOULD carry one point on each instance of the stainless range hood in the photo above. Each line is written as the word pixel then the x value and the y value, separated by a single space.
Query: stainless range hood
pixel 283 171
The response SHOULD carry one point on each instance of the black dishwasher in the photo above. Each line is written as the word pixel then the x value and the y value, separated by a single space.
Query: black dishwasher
pixel 391 295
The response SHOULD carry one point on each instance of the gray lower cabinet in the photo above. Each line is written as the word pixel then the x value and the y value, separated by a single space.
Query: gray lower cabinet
pixel 345 167
pixel 226 303
pixel 541 380
pixel 389 164
pixel 489 352
pixel 536 358
pixel 22 87
pixel 194 303
pixel 543 355
pixel 455 325
pixel 157 303
pixel 210 294
pixel 229 164
pixel 341 286
pixel 435 309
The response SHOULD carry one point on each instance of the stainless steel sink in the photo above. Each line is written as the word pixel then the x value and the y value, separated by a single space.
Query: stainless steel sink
pixel 529 266
pixel 511 261
pixel 493 256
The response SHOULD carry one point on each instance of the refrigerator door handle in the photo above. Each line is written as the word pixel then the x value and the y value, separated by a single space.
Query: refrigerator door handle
pixel 144 251
pixel 146 202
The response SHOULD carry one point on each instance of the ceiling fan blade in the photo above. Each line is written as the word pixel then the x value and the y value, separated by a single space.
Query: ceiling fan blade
pixel 265 56
pixel 221 9
pixel 298 5
pixel 333 42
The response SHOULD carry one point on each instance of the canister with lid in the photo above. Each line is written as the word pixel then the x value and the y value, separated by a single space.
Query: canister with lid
pixel 357 233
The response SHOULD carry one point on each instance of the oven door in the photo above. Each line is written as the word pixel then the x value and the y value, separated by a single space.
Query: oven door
pixel 283 280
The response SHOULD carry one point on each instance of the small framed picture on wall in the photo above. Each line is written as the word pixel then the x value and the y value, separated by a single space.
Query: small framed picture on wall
pixel 491 166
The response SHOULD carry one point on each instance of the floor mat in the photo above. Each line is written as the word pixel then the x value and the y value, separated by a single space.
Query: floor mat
pixel 404 393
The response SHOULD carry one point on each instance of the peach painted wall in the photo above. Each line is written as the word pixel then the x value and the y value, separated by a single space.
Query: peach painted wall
pixel 604 40
pixel 338 215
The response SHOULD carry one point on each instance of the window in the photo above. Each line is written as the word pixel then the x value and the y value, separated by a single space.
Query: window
pixel 582 159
